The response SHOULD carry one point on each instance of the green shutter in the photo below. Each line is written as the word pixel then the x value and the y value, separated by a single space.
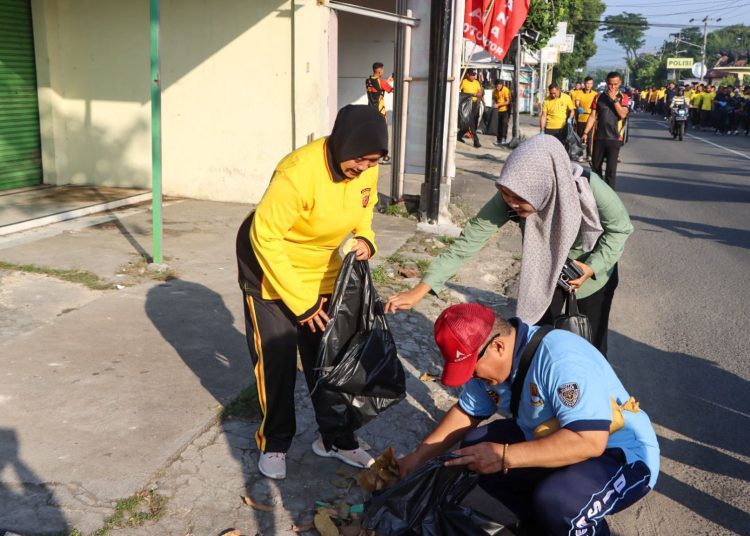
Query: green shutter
pixel 20 148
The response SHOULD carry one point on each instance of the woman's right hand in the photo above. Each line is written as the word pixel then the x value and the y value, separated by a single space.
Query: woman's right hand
pixel 407 299
pixel 320 319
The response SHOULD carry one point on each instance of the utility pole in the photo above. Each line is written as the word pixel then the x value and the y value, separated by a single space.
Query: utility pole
pixel 705 22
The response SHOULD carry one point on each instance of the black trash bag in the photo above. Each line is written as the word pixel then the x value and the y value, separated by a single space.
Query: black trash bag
pixel 428 503
pixel 573 143
pixel 465 112
pixel 358 373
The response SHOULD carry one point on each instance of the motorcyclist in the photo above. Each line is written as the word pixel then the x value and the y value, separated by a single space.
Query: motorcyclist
pixel 678 101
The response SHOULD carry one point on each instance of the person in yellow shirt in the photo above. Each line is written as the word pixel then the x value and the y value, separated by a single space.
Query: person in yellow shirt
pixel 696 96
pixel 707 105
pixel 471 85
pixel 653 98
pixel 501 101
pixel 573 93
pixel 583 108
pixel 557 108
pixel 661 106
pixel 288 261
pixel 643 103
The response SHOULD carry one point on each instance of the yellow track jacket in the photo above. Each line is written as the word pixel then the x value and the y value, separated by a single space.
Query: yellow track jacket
pixel 300 222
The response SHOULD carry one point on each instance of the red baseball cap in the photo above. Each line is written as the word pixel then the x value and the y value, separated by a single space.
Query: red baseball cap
pixel 460 332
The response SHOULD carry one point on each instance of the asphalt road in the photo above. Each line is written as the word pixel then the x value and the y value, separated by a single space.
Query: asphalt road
pixel 680 329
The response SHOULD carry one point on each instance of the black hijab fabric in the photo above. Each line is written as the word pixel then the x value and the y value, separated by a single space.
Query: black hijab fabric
pixel 358 130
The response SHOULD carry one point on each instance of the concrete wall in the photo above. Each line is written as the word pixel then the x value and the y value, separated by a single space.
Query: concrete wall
pixel 92 74
pixel 243 84
pixel 362 42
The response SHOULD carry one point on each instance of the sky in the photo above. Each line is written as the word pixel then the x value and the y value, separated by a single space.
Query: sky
pixel 609 53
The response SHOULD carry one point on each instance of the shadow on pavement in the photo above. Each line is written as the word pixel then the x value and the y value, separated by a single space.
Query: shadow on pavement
pixel 649 185
pixel 697 399
pixel 27 505
pixel 721 235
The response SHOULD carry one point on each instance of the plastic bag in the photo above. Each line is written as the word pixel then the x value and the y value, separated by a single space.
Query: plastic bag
pixel 427 503
pixel 358 373
pixel 573 143
pixel 465 112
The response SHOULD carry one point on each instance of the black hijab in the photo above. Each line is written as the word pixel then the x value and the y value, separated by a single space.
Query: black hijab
pixel 358 130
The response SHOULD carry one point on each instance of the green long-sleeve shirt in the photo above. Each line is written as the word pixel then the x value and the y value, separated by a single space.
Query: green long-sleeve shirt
pixel 494 214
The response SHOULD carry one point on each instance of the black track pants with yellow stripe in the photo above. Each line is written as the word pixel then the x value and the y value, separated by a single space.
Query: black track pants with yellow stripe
pixel 273 337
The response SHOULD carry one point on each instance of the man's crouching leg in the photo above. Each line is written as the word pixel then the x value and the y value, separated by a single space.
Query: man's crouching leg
pixel 574 500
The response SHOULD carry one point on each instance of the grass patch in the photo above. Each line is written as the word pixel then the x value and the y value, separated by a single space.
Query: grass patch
pixel 447 240
pixel 422 264
pixel 133 512
pixel 139 268
pixel 396 210
pixel 245 406
pixel 380 275
pixel 81 277
pixel 396 258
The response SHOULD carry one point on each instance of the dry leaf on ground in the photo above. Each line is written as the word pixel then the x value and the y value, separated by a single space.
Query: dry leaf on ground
pixel 256 505
pixel 324 525
pixel 382 474
pixel 429 377
pixel 232 532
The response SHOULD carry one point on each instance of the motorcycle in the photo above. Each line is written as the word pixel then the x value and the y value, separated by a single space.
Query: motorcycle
pixel 678 121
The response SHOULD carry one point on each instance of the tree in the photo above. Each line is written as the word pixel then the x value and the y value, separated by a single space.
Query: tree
pixel 646 71
pixel 583 22
pixel 543 18
pixel 627 30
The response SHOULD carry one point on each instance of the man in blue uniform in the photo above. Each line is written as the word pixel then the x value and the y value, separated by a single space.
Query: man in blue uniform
pixel 578 447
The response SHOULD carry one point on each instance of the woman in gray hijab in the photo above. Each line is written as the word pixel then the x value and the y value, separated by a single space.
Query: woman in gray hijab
pixel 563 215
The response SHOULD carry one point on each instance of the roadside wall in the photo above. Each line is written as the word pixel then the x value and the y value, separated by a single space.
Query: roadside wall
pixel 243 83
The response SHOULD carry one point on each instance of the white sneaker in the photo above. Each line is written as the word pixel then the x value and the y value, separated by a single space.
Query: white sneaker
pixel 356 458
pixel 273 465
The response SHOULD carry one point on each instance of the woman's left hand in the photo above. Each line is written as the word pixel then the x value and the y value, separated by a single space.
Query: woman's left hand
pixel 587 272
pixel 361 250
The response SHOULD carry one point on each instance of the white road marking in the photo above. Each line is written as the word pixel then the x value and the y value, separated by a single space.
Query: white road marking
pixel 743 155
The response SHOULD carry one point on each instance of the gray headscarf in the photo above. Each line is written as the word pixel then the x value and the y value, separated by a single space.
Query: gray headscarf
pixel 540 171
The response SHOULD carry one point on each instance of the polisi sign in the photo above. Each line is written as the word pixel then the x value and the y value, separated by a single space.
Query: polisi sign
pixel 679 63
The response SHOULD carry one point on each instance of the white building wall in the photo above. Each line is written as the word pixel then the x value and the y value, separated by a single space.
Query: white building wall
pixel 362 42
pixel 235 99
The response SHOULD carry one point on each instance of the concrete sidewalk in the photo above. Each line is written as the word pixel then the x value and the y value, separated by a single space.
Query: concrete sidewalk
pixel 103 387
pixel 107 392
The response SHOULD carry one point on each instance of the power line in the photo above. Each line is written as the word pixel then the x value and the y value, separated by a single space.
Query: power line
pixel 650 24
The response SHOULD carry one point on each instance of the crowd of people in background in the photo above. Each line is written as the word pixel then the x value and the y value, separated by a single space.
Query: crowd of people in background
pixel 724 109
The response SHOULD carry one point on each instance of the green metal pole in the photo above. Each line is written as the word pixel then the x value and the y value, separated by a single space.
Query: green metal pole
pixel 156 199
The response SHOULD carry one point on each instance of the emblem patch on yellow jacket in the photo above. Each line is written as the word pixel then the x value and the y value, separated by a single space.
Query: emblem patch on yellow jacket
pixel 365 197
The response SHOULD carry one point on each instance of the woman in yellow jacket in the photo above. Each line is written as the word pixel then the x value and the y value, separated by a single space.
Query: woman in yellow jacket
pixel 287 255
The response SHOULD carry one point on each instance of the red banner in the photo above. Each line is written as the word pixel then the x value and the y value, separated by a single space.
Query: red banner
pixel 492 24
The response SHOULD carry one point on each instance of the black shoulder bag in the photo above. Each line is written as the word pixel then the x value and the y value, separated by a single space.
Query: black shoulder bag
pixel 573 321
pixel 523 368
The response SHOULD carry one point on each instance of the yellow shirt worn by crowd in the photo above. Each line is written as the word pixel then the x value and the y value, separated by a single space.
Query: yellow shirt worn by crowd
pixel 585 100
pixel 644 95
pixel 502 95
pixel 661 94
pixel 302 220
pixel 707 101
pixel 653 95
pixel 695 99
pixel 472 87
pixel 557 111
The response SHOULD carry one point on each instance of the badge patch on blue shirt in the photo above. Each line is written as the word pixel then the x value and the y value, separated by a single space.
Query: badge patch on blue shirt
pixel 569 393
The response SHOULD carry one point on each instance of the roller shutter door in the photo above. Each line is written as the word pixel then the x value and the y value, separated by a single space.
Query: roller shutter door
pixel 20 148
